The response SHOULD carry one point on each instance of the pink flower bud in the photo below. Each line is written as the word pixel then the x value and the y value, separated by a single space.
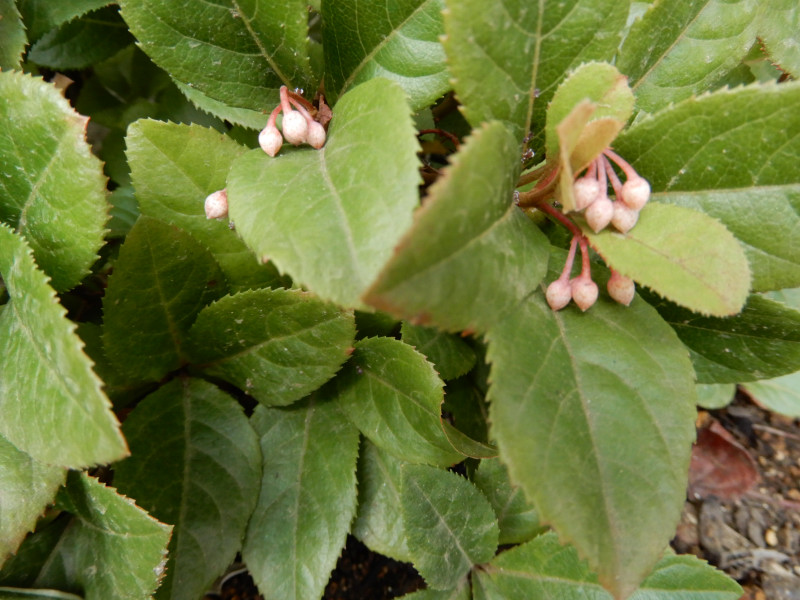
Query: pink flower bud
pixel 624 217
pixel 316 135
pixel 584 292
pixel 621 288
pixel 558 294
pixel 586 190
pixel 270 140
pixel 599 213
pixel 635 192
pixel 217 205
pixel 295 127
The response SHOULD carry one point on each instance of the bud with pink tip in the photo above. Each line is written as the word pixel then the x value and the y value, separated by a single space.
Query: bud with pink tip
pixel 584 291
pixel 621 288
pixel 216 205
pixel 599 213
pixel 624 217
pixel 635 192
pixel 586 190
pixel 270 139
pixel 316 135
pixel 295 127
pixel 558 293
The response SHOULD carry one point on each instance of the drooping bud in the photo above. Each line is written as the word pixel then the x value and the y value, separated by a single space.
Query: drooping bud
pixel 558 294
pixel 624 217
pixel 621 288
pixel 295 127
pixel 316 135
pixel 270 140
pixel 216 205
pixel 586 190
pixel 635 192
pixel 584 292
pixel 599 213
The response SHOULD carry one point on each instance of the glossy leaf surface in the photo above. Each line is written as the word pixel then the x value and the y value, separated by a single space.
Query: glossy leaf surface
pixel 41 16
pixel 276 345
pixel 594 416
pixel 396 40
pixel 12 36
pixel 330 218
pixel 52 405
pixel 471 254
pixel 449 524
pixel 161 281
pixel 53 189
pixel 307 501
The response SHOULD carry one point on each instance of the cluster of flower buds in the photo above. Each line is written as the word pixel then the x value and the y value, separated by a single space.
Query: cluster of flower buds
pixel 591 194
pixel 299 127
pixel 582 289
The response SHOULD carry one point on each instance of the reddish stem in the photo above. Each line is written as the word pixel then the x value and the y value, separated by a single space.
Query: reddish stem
pixel 287 108
pixel 586 266
pixel 548 209
pixel 567 271
pixel 621 162
pixel 273 116
pixel 442 133
pixel 615 182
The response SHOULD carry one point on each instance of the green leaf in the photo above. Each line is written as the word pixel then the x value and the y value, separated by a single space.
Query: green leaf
pixel 51 402
pixel 276 345
pixel 28 487
pixel 161 281
pixel 331 217
pixel 379 520
pixel 760 343
pixel 83 42
pixel 777 29
pixel 195 463
pixel 12 36
pixel 774 258
pixel 689 578
pixel 593 414
pixel 40 16
pixel 112 548
pixel 22 569
pixel 397 40
pixel 781 395
pixel 508 57
pixel 451 356
pixel 462 591
pixel 471 255
pixel 516 517
pixel 307 501
pixel 713 396
pixel 52 189
pixel 449 524
pixel 680 48
pixel 682 255
pixel 173 168
pixel 236 54
pixel 393 395
pixel 19 594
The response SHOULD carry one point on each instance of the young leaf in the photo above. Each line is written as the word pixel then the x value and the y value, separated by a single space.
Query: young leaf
pixel 688 577
pixel 51 402
pixel 398 41
pixel 83 42
pixel 161 281
pixel 681 254
pixel 28 487
pixel 760 343
pixel 112 548
pixel 597 430
pixel 331 217
pixel 516 517
pixel 449 524
pixel 307 501
pixel 379 520
pixel 507 57
pixel 450 355
pixel 781 395
pixel 40 16
pixel 773 258
pixel 777 28
pixel 173 168
pixel 276 345
pixel 393 395
pixel 195 463
pixel 53 192
pixel 461 591
pixel 12 36
pixel 237 56
pixel 713 396
pixel 472 254
pixel 684 47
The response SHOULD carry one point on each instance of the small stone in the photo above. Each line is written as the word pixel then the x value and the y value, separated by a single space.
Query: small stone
pixel 771 538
